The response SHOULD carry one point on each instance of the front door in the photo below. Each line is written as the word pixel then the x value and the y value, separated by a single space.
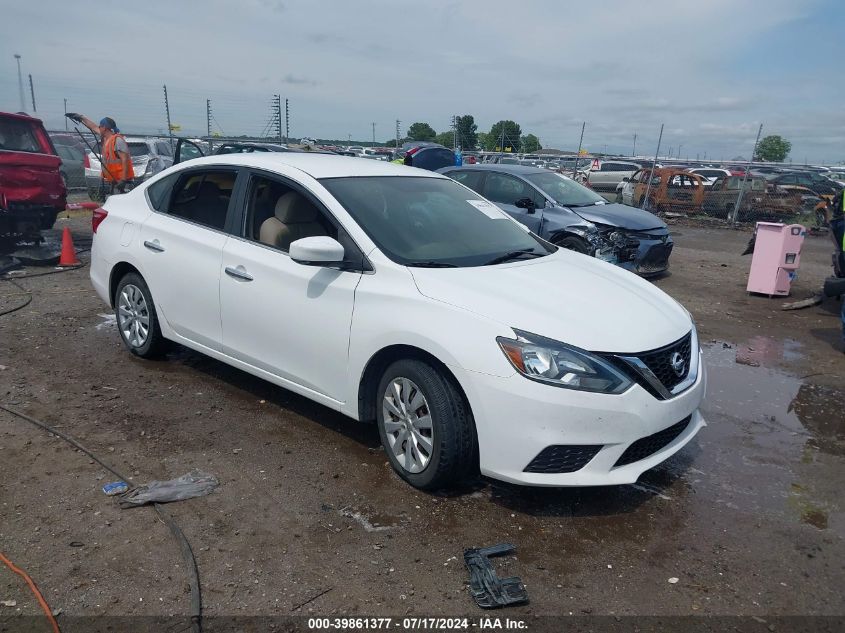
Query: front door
pixel 282 317
pixel 183 246
pixel 507 190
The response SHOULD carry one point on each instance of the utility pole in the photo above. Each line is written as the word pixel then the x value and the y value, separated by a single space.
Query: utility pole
pixel 745 176
pixel 374 133
pixel 634 151
pixel 32 94
pixel 580 145
pixel 455 132
pixel 397 133
pixel 65 113
pixel 679 150
pixel 287 122
pixel 651 172
pixel 166 111
pixel 208 124
pixel 20 83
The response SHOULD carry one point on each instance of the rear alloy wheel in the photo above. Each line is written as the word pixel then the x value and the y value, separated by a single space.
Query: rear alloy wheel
pixel 573 244
pixel 424 425
pixel 136 316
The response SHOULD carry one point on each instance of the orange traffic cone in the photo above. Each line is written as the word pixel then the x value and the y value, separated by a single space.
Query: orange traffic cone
pixel 68 256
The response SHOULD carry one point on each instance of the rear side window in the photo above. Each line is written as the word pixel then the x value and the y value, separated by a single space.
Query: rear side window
pixel 471 179
pixel 18 136
pixel 203 197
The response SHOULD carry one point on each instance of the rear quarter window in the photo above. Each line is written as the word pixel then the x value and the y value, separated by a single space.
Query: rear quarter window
pixel 17 135
pixel 159 192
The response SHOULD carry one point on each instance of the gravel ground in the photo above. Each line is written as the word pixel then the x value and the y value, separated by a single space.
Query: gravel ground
pixel 310 520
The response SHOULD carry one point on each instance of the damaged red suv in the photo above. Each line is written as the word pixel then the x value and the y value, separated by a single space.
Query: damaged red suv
pixel 31 188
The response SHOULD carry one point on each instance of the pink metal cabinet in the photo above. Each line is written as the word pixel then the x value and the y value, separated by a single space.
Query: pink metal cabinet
pixel 777 254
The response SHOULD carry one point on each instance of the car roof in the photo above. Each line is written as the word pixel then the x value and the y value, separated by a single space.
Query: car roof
pixel 517 170
pixel 313 164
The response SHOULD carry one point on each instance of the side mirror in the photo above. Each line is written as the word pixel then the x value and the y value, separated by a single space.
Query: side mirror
pixel 526 203
pixel 626 179
pixel 317 251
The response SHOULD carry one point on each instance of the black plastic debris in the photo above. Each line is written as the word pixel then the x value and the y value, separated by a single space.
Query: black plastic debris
pixel 487 589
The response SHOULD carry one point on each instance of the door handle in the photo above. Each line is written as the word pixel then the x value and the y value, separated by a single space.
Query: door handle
pixel 238 273
pixel 154 246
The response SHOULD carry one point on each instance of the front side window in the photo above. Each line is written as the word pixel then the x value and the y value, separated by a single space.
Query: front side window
pixel 507 189
pixel 203 197
pixel 471 179
pixel 565 191
pixel 433 222
pixel 278 215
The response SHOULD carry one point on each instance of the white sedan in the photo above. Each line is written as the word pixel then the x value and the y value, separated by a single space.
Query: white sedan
pixel 399 296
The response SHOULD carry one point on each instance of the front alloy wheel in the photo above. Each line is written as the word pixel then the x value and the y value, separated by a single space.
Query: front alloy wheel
pixel 425 425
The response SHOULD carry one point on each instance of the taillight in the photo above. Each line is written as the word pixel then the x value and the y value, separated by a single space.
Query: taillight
pixel 97 218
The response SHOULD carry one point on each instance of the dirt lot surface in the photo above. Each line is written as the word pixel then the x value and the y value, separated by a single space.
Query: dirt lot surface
pixel 310 519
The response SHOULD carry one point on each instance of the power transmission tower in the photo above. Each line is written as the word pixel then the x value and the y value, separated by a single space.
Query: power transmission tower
pixel 166 110
pixel 455 132
pixel 634 151
pixel 287 122
pixel 208 124
pixel 397 133
pixel 277 113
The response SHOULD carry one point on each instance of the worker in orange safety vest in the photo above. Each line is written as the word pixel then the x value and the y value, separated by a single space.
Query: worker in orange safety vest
pixel 116 160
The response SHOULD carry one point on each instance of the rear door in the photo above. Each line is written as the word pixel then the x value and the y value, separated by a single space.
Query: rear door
pixel 182 247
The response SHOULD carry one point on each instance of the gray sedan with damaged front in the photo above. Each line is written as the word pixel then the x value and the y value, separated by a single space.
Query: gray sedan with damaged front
pixel 572 216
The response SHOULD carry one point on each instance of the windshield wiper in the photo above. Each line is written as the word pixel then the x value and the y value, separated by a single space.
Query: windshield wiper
pixel 432 265
pixel 513 255
pixel 584 204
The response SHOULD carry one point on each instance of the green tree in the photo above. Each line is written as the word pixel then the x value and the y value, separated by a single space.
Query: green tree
pixel 530 143
pixel 445 138
pixel 421 132
pixel 504 131
pixel 467 132
pixel 482 140
pixel 773 148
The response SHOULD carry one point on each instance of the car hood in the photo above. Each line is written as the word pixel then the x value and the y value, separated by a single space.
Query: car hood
pixel 620 215
pixel 565 296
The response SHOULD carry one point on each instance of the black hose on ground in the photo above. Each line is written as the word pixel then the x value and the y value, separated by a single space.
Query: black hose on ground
pixel 181 540
pixel 21 306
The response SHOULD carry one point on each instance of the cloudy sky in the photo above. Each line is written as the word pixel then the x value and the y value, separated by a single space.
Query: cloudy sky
pixel 711 70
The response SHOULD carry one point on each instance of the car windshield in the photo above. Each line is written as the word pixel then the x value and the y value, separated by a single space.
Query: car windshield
pixel 432 222
pixel 564 191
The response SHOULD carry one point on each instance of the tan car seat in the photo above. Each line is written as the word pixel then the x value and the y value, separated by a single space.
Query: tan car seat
pixel 295 217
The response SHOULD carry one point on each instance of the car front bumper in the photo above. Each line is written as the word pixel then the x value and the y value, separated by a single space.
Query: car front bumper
pixel 518 419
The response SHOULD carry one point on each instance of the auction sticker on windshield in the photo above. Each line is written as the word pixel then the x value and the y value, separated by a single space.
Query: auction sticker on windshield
pixel 490 210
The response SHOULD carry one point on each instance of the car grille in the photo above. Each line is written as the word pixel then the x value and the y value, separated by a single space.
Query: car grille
pixel 647 446
pixel 562 458
pixel 655 260
pixel 660 362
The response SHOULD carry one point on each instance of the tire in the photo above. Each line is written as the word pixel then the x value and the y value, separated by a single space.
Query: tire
pixel 441 417
pixel 573 244
pixel 133 303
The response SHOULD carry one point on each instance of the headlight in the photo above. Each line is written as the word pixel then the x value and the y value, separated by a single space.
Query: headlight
pixel 555 363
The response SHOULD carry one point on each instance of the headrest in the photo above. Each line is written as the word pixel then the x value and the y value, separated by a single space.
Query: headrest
pixel 293 208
